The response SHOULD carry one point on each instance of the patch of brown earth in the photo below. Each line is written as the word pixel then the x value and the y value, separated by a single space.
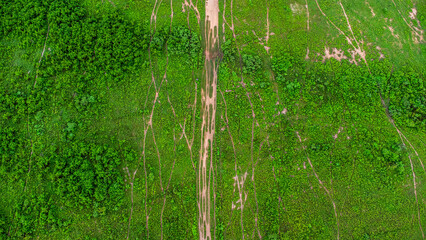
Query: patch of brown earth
pixel 208 102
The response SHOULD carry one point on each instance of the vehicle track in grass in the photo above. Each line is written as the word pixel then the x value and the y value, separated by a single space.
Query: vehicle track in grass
pixel 148 123
pixel 357 50
pixel 208 114
pixel 402 137
pixel 28 117
pixel 131 181
pixel 232 28
pixel 323 186
pixel 189 142
pixel 307 29
pixel 206 173
pixel 255 123
pixel 42 54
pixel 416 32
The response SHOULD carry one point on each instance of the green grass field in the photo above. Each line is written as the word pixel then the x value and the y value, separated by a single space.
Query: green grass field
pixel 320 128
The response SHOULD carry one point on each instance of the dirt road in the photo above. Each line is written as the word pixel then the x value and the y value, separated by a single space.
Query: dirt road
pixel 208 114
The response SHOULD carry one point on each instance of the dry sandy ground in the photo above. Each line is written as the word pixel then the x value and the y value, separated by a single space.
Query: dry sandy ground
pixel 208 102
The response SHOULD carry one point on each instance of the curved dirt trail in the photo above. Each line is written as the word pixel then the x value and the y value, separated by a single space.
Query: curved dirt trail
pixel 321 183
pixel 208 114
pixel 42 54
pixel 402 137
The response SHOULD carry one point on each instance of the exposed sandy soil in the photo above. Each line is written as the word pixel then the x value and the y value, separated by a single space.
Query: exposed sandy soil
pixel 413 13
pixel 371 9
pixel 267 31
pixel 381 55
pixel 417 32
pixel 296 8
pixel 393 32
pixel 357 53
pixel 191 5
pixel 307 14
pixel 336 54
pixel 338 132
pixel 208 102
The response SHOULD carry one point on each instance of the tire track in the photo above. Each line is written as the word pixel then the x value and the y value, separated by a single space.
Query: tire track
pixel 254 190
pixel 188 142
pixel 149 124
pixel 241 201
pixel 168 183
pixel 254 120
pixel 414 30
pixel 235 156
pixel 208 114
pixel 42 54
pixel 357 50
pixel 323 186
pixel 402 137
pixel 307 29
pixel 131 181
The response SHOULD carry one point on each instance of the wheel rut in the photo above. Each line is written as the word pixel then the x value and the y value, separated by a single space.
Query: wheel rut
pixel 208 115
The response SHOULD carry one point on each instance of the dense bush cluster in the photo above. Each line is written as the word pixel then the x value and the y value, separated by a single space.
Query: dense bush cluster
pixel 251 63
pixel 183 42
pixel 50 105
pixel 406 92
pixel 36 214
pixel 86 173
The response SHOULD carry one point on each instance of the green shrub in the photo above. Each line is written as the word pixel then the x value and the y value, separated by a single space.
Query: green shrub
pixel 251 64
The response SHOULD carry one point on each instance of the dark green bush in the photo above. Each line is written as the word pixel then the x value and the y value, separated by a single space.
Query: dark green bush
pixel 251 63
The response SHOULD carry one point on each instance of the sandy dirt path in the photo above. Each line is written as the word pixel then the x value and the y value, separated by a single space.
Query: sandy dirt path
pixel 208 112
